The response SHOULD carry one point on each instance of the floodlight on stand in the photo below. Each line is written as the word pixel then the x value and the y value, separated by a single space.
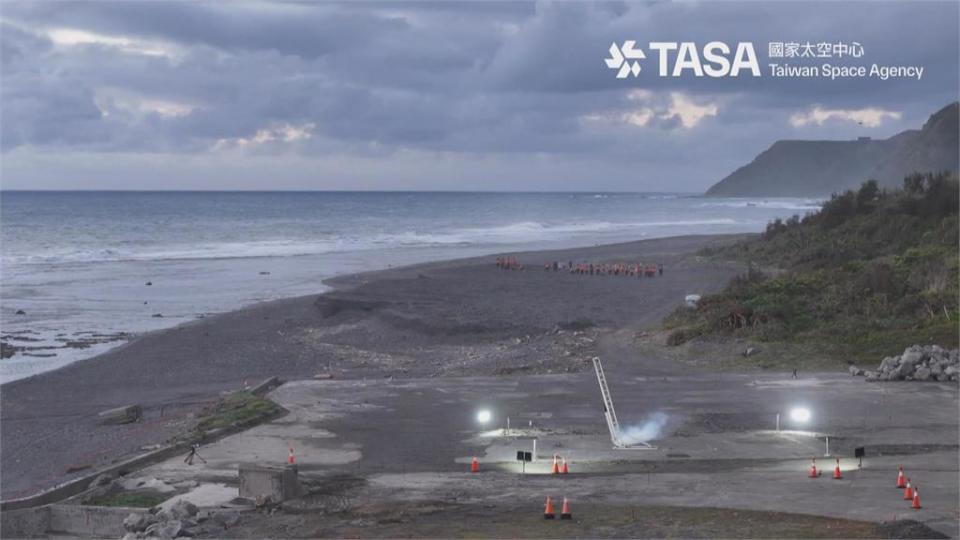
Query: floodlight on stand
pixel 800 414
pixel 483 416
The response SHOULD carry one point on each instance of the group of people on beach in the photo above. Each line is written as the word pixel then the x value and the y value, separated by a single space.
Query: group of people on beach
pixel 602 269
pixel 509 263
pixel 588 268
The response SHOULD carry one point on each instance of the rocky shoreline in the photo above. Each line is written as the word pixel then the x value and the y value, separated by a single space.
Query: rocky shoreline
pixel 24 343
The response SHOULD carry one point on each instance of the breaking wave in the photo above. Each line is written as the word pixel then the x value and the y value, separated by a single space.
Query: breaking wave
pixel 510 234
pixel 793 204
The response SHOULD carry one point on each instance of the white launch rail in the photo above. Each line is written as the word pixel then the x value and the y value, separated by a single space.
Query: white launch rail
pixel 611 414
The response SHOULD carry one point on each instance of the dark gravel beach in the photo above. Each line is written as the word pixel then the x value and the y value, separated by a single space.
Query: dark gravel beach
pixel 453 318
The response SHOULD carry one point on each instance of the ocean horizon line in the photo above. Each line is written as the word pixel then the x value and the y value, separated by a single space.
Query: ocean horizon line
pixel 532 192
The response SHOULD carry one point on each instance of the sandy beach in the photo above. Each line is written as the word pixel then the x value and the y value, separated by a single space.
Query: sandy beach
pixel 451 318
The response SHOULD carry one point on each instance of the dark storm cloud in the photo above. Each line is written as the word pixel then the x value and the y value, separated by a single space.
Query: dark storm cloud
pixel 307 30
pixel 487 81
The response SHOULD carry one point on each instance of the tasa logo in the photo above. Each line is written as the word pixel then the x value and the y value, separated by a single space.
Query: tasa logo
pixel 620 59
pixel 675 58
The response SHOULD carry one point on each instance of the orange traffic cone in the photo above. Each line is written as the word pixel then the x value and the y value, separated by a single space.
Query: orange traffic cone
pixel 908 493
pixel 565 469
pixel 565 511
pixel 556 465
pixel 813 468
pixel 901 482
pixel 548 510
pixel 291 459
pixel 836 471
pixel 916 499
pixel 474 465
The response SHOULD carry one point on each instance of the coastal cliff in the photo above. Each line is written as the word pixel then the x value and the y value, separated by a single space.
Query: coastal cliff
pixel 819 168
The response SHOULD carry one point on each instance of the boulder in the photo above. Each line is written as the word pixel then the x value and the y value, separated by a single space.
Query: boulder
pixel 855 371
pixel 888 363
pixel 183 509
pixel 906 368
pixel 912 355
pixel 167 530
pixel 227 520
pixel 893 374
pixel 918 363
pixel 136 522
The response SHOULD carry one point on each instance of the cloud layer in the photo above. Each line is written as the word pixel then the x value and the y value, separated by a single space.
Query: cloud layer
pixel 303 95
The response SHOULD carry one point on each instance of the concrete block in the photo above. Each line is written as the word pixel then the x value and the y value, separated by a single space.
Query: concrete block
pixel 279 483
pixel 265 386
pixel 121 415
pixel 25 523
pixel 89 521
pixel 71 520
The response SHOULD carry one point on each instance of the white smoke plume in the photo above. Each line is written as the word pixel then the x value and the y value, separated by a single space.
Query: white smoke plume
pixel 648 430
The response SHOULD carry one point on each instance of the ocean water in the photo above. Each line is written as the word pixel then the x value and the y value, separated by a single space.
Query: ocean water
pixel 75 264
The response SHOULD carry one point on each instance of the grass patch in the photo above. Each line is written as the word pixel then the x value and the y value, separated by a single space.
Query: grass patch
pixel 130 499
pixel 234 410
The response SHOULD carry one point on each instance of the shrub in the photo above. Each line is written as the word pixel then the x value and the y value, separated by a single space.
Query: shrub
pixel 872 268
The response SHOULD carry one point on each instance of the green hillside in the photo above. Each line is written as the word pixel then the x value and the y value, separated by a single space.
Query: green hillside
pixel 870 273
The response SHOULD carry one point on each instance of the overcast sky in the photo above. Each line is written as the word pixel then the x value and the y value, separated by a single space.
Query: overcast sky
pixel 450 96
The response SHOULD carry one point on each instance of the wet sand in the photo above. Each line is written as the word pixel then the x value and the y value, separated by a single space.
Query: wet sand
pixel 451 318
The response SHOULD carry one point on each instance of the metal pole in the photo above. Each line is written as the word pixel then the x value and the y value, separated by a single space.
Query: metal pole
pixel 508 425
pixel 827 438
pixel 778 422
pixel 534 450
